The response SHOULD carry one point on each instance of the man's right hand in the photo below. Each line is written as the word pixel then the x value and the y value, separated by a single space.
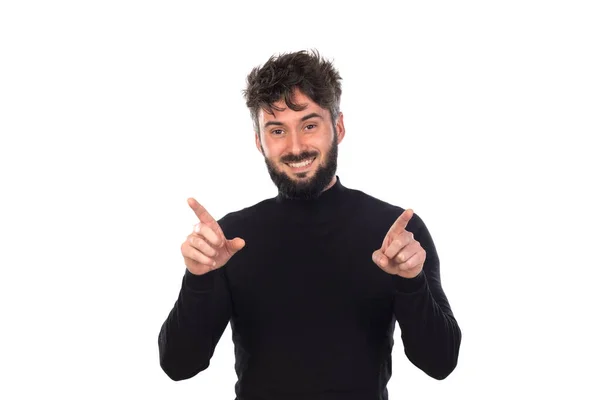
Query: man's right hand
pixel 206 248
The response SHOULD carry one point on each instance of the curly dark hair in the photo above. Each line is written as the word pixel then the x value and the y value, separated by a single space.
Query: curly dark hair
pixel 280 75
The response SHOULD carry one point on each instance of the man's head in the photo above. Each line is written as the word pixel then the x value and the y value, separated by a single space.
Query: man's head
pixel 294 101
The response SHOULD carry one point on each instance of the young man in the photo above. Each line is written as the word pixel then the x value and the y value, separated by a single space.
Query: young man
pixel 314 279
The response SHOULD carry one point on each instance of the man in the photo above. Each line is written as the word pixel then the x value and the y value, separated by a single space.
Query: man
pixel 314 279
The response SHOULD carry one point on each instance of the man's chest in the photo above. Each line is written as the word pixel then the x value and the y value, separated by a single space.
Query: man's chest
pixel 325 279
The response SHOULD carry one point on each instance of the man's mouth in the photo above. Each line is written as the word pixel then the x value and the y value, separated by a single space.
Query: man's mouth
pixel 299 166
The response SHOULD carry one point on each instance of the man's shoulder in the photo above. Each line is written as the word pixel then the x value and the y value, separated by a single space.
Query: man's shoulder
pixel 247 215
pixel 381 210
pixel 374 204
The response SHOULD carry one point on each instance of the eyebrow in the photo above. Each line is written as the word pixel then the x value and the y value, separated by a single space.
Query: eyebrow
pixel 308 116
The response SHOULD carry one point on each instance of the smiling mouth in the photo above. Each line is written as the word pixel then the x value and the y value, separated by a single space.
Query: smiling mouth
pixel 301 165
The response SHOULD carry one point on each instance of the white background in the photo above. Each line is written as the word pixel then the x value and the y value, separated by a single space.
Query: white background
pixel 481 116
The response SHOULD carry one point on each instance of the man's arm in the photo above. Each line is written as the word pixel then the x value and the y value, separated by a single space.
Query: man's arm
pixel 188 337
pixel 430 333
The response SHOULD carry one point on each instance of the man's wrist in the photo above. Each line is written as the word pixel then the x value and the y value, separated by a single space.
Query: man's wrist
pixel 410 285
pixel 199 283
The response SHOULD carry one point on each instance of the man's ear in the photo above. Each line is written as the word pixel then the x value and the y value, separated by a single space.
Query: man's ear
pixel 258 144
pixel 340 130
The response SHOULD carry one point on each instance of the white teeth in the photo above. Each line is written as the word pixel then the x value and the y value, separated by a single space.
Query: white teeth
pixel 302 164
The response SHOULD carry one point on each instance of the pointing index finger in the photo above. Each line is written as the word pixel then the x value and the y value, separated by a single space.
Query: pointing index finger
pixel 203 215
pixel 400 224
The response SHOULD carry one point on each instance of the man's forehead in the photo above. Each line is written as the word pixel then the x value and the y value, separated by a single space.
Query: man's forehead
pixel 287 113
pixel 282 112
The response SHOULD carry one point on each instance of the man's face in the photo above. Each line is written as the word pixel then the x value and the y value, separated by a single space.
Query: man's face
pixel 300 147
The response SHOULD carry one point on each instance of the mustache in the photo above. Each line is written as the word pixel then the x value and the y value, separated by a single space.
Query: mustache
pixel 297 158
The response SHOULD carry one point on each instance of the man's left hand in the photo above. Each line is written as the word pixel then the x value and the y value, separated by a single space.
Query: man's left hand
pixel 400 254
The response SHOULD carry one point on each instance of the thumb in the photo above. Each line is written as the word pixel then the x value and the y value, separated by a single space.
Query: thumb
pixel 236 244
pixel 380 259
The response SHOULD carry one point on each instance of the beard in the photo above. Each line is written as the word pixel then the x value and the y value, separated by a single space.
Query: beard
pixel 310 188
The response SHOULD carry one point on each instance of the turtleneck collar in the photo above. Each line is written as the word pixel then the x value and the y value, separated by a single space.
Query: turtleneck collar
pixel 331 205
pixel 326 196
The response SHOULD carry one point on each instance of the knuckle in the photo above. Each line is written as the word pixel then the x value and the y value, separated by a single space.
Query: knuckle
pixel 205 260
pixel 201 254
pixel 208 249
pixel 209 260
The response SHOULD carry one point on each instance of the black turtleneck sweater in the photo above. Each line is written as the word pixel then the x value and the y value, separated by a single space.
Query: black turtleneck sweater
pixel 312 315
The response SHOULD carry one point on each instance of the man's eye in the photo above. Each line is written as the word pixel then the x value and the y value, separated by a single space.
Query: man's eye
pixel 277 131
pixel 311 126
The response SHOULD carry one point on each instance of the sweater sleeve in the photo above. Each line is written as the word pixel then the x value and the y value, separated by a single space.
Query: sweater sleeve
pixel 188 337
pixel 430 333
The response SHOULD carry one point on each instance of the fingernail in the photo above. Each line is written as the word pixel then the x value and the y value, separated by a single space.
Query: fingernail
pixel 197 228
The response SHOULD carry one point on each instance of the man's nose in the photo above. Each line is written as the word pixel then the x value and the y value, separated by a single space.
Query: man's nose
pixel 296 143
